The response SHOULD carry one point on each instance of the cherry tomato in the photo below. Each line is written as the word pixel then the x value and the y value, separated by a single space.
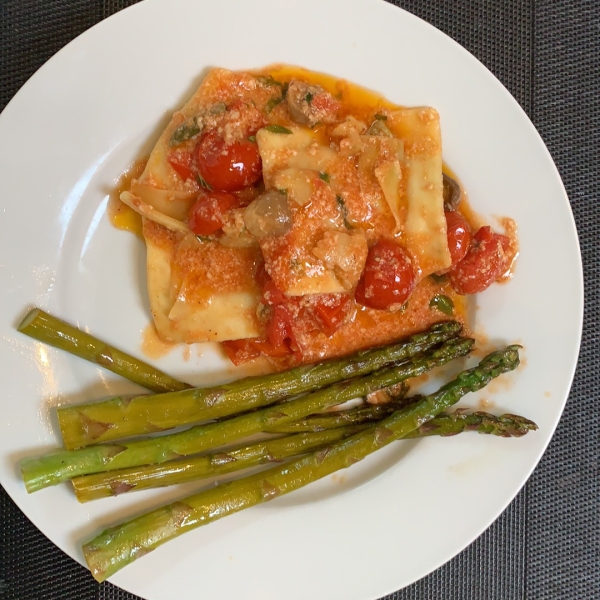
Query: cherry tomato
pixel 388 279
pixel 206 215
pixel 486 261
pixel 459 236
pixel 228 167
pixel 182 163
pixel 332 311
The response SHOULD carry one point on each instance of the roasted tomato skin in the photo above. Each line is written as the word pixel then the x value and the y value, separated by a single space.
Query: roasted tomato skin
pixel 228 167
pixel 182 163
pixel 486 261
pixel 388 279
pixel 332 312
pixel 459 236
pixel 241 351
pixel 207 213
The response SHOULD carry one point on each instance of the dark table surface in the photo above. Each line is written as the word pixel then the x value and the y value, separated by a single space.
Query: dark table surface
pixel 546 545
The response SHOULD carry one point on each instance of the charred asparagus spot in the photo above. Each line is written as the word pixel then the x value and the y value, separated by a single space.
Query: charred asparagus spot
pixel 51 330
pixel 101 485
pixel 118 546
pixel 64 465
pixel 120 417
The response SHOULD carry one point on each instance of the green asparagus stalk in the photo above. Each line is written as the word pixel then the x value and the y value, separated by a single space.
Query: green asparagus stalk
pixel 356 416
pixel 118 546
pixel 506 425
pixel 102 485
pixel 121 417
pixel 64 465
pixel 51 330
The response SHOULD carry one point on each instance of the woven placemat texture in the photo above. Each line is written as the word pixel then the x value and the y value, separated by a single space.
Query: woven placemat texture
pixel 546 545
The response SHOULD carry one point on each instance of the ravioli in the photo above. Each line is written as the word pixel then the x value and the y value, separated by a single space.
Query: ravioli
pixel 344 175
pixel 199 291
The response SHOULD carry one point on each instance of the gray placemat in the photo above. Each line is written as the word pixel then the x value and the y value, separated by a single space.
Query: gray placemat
pixel 546 546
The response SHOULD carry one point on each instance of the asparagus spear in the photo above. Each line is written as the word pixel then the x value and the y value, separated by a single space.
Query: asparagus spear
pixel 55 332
pixel 102 485
pixel 506 425
pixel 121 417
pixel 113 483
pixel 122 544
pixel 356 416
pixel 63 465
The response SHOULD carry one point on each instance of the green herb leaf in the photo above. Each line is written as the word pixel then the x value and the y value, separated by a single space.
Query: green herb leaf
pixel 379 128
pixel 203 183
pixel 218 108
pixel 184 132
pixel 325 177
pixel 344 211
pixel 380 117
pixel 278 129
pixel 272 103
pixel 309 97
pixel 440 279
pixel 269 81
pixel 443 304
pixel 296 265
pixel 252 138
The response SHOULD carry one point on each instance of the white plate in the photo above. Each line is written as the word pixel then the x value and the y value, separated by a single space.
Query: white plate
pixel 97 105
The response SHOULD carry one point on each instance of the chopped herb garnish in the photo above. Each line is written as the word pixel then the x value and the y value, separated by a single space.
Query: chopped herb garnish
pixel 295 265
pixel 344 211
pixel 379 128
pixel 380 117
pixel 325 177
pixel 184 132
pixel 269 81
pixel 278 129
pixel 203 183
pixel 443 304
pixel 272 103
pixel 309 97
pixel 218 108
pixel 251 138
pixel 284 89
pixel 202 238
pixel 439 278
pixel 283 191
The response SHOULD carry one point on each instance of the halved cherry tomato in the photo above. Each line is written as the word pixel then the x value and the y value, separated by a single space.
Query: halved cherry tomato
pixel 182 163
pixel 486 261
pixel 459 236
pixel 388 279
pixel 228 167
pixel 332 312
pixel 206 215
